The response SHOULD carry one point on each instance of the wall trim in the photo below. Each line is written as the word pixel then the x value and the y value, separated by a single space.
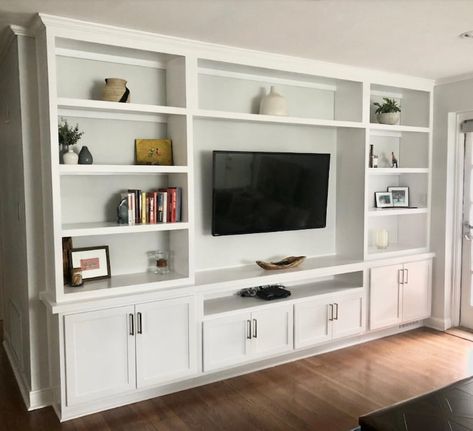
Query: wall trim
pixel 19 376
pixel 33 400
pixel 438 323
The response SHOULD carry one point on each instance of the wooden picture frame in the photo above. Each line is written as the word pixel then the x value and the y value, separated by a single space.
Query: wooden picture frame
pixel 94 262
pixel 383 199
pixel 400 196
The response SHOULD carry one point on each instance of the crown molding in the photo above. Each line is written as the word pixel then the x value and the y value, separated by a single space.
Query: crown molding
pixel 455 78
pixel 109 34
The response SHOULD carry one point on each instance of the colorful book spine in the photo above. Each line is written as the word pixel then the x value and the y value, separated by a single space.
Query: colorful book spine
pixel 144 208
pixel 131 207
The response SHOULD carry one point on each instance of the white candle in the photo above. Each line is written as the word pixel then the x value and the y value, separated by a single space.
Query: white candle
pixel 382 238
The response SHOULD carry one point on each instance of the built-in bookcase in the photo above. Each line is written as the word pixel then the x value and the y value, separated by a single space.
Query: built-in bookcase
pixel 206 102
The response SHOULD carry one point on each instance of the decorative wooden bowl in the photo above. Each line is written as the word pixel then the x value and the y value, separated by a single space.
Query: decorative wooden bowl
pixel 287 262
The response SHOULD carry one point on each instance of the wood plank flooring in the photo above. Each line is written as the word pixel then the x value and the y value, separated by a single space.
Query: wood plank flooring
pixel 322 393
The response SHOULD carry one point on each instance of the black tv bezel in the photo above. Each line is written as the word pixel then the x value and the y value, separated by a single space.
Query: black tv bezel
pixel 215 152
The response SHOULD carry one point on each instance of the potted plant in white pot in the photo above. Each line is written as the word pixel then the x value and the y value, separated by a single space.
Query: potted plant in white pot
pixel 389 112
pixel 69 136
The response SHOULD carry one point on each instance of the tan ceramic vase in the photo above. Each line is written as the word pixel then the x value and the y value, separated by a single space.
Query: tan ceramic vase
pixel 115 91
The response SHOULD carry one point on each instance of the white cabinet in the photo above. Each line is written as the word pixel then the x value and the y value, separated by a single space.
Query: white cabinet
pixel 323 319
pixel 165 341
pixel 100 354
pixel 101 347
pixel 400 293
pixel 241 337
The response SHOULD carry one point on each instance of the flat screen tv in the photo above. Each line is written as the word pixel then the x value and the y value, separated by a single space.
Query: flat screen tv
pixel 268 192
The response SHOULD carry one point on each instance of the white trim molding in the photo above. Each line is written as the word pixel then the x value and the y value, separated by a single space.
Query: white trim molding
pixel 438 324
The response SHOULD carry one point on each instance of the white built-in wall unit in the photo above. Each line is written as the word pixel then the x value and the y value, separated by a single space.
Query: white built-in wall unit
pixel 137 334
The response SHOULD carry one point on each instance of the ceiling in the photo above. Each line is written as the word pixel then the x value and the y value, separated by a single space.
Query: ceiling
pixel 415 37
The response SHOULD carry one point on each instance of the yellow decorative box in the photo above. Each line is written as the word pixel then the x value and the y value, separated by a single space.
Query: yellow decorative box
pixel 153 151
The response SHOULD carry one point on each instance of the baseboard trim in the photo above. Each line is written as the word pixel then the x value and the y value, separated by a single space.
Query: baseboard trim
pixel 33 400
pixel 19 376
pixel 72 412
pixel 438 323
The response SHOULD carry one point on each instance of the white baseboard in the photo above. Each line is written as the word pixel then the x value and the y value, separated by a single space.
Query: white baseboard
pixel 72 412
pixel 19 375
pixel 33 399
pixel 438 323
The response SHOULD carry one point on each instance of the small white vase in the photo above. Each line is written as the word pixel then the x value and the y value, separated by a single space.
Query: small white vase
pixel 70 157
pixel 390 118
pixel 273 104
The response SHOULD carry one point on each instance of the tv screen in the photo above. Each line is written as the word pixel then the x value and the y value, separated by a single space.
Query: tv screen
pixel 268 192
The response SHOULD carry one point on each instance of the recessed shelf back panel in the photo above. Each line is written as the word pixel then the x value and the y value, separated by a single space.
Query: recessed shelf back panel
pixel 95 198
pixel 113 141
pixel 415 104
pixel 237 88
pixel 410 149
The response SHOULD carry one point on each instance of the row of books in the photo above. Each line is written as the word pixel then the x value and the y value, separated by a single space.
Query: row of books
pixel 160 206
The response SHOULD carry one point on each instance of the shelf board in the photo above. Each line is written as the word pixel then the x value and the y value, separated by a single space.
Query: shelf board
pixel 383 212
pixel 120 169
pixel 397 171
pixel 252 275
pixel 398 128
pixel 111 228
pixel 298 293
pixel 125 283
pixel 394 250
pixel 257 118
pixel 103 109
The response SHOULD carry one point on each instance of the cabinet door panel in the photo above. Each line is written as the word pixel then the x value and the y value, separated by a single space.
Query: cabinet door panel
pixel 416 291
pixel 311 323
pixel 165 340
pixel 226 341
pixel 100 354
pixel 384 296
pixel 348 316
pixel 272 330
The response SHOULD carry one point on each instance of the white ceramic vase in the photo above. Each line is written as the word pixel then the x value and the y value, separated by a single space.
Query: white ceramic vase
pixel 382 239
pixel 70 157
pixel 273 104
pixel 390 118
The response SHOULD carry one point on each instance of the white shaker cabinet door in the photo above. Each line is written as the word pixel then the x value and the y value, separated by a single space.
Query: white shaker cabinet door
pixel 348 315
pixel 100 354
pixel 165 341
pixel 416 291
pixel 311 322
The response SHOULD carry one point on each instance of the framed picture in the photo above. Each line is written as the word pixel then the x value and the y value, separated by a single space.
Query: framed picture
pixel 383 199
pixel 94 262
pixel 400 196
pixel 153 152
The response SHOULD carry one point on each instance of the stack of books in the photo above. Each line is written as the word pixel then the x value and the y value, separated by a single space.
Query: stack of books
pixel 160 206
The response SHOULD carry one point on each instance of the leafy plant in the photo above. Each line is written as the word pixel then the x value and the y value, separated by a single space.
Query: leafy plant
pixel 68 135
pixel 389 105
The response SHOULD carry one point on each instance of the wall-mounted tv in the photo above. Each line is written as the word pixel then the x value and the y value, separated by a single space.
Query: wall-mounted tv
pixel 268 192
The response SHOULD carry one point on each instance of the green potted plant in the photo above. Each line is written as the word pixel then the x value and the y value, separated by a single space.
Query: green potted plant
pixel 389 112
pixel 68 136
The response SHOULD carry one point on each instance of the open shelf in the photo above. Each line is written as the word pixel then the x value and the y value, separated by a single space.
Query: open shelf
pixel 96 108
pixel 237 116
pixel 398 128
pixel 126 283
pixel 383 212
pixel 397 171
pixel 110 228
pixel 120 170
pixel 253 275
pixel 298 293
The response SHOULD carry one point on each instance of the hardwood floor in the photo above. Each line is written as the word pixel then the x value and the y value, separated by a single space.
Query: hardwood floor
pixel 322 393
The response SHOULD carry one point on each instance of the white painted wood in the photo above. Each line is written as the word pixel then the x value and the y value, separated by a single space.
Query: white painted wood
pixel 226 341
pixel 397 171
pixel 248 117
pixel 272 331
pixel 416 291
pixel 165 341
pixel 385 296
pixel 120 170
pixel 311 322
pixel 382 212
pixel 110 228
pixel 100 354
pixel 348 316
